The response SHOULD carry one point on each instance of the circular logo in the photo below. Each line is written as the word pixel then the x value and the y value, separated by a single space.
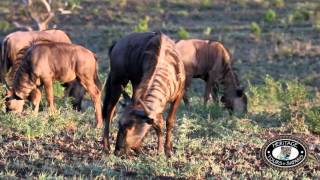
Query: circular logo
pixel 285 152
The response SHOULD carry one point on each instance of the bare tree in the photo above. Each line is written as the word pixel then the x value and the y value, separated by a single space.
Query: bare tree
pixel 40 11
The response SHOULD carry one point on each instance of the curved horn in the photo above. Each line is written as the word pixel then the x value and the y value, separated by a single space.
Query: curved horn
pixel 145 108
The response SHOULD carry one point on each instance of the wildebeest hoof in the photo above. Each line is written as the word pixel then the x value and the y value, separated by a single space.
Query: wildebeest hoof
pixel 99 125
pixel 52 110
pixel 35 113
pixel 168 150
pixel 168 154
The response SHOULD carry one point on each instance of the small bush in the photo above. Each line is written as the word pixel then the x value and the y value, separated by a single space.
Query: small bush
pixel 316 19
pixel 299 15
pixel 255 29
pixel 182 33
pixel 278 3
pixel 313 119
pixel 72 4
pixel 4 25
pixel 143 25
pixel 207 31
pixel 270 15
pixel 206 4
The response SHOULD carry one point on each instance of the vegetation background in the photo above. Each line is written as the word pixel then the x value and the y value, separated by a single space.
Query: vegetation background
pixel 275 45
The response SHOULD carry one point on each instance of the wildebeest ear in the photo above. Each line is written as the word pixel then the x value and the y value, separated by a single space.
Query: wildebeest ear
pixel 126 97
pixel 149 121
pixel 240 92
pixel 8 98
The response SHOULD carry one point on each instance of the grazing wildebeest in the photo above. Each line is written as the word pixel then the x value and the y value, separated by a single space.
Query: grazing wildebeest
pixel 153 66
pixel 12 45
pixel 74 90
pixel 210 61
pixel 14 42
pixel 44 63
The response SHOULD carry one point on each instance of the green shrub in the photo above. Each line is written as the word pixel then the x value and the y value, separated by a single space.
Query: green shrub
pixel 270 15
pixel 299 15
pixel 4 25
pixel 313 119
pixel 182 33
pixel 143 25
pixel 206 4
pixel 278 3
pixel 72 4
pixel 287 101
pixel 255 29
pixel 207 31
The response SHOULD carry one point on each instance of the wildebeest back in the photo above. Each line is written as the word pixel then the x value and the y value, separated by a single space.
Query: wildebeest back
pixel 130 63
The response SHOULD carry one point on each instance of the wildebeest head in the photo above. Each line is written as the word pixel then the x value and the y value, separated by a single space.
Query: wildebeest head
pixel 133 126
pixel 235 100
pixel 14 104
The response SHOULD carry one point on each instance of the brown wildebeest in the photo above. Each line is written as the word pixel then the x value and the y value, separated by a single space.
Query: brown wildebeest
pixel 12 45
pixel 211 62
pixel 46 62
pixel 153 66
pixel 14 42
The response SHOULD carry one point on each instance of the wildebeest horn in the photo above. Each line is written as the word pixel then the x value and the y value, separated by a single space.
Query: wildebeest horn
pixel 144 107
pixel 140 113
pixel 145 116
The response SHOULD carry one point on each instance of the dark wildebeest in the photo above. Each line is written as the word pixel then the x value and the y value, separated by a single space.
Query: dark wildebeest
pixel 210 61
pixel 46 62
pixel 12 45
pixel 153 66
pixel 74 90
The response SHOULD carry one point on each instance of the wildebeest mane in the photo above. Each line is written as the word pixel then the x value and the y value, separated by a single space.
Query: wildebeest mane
pixel 150 55
pixel 227 64
pixel 156 45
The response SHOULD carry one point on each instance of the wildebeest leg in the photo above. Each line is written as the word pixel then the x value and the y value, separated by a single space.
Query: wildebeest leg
pixel 35 99
pixel 170 123
pixel 214 92
pixel 95 95
pixel 10 76
pixel 158 126
pixel 208 90
pixel 48 86
pixel 185 96
pixel 113 92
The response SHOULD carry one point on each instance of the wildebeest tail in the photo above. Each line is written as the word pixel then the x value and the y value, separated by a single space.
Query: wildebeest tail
pixel 107 97
pixel 96 77
pixel 97 81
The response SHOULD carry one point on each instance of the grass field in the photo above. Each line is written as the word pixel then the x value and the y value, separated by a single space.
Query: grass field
pixel 275 45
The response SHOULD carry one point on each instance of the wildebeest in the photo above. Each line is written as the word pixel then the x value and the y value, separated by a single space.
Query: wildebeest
pixel 74 90
pixel 44 63
pixel 13 44
pixel 210 61
pixel 153 66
